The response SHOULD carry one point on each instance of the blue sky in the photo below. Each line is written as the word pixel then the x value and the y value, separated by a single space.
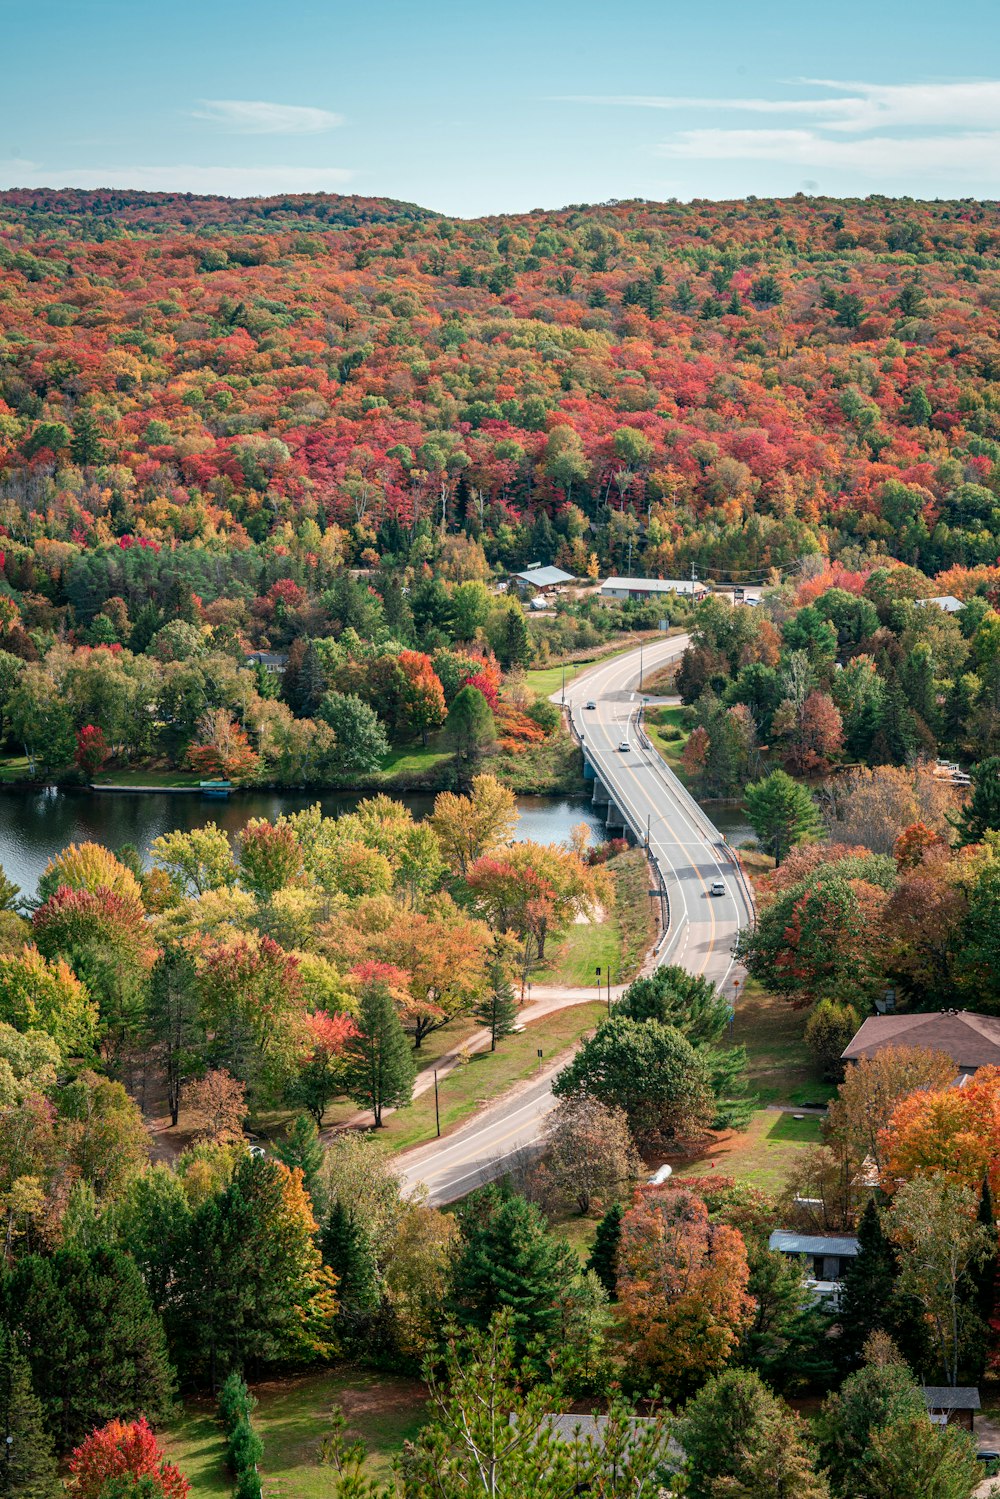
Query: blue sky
pixel 474 109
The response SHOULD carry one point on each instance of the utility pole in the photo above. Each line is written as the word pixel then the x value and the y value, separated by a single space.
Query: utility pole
pixel 641 644
pixel 564 684
pixel 437 1107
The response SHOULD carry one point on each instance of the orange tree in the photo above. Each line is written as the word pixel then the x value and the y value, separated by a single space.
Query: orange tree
pixel 682 1289
pixel 953 1132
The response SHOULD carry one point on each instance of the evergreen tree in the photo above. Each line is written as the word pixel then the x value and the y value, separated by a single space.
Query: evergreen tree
pixel 918 407
pixel 982 811
pixel 508 1258
pixel 27 1461
pixel 867 1288
pixel 782 813
pixel 379 1068
pixel 93 1341
pixel 86 447
pixel 671 995
pixel 305 693
pixel 511 641
pixel 497 1010
pixel 470 728
pixel 868 1402
pixel 303 1149
pixel 174 1013
pixel 604 1253
pixel 348 1250
pixel 740 1439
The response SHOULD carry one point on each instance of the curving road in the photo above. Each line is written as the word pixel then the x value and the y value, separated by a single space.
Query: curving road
pixel 690 854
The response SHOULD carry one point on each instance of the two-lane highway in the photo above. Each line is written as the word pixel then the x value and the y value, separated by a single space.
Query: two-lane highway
pixel 691 854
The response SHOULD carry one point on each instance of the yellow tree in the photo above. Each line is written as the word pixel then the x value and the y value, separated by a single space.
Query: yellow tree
pixel 470 826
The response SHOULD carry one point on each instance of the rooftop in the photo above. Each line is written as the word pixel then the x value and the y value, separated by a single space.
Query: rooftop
pixel 946 601
pixel 544 577
pixel 970 1040
pixel 655 585
pixel 789 1243
pixel 951 1398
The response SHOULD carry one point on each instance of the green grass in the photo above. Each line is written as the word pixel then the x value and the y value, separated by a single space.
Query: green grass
pixel 292 1417
pixel 488 1074
pixel 764 1155
pixel 13 768
pixel 656 721
pixel 575 954
pixel 578 1233
pixel 549 679
pixel 414 760
pixel 144 776
pixel 633 910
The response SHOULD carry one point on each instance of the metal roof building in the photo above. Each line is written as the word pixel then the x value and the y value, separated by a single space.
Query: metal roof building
pixel 637 588
pixel 543 577
pixel 970 1040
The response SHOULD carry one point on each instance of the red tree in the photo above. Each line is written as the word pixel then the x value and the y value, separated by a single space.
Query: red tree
pixel 123 1449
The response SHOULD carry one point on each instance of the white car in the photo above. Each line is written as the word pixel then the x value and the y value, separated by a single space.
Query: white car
pixel 624 747
pixel 590 705
pixel 717 887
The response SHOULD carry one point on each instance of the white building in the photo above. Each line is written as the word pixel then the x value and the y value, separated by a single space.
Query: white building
pixel 647 588
pixel 542 577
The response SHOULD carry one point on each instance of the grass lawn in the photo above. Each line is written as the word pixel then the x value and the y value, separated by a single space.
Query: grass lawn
pixel 578 1233
pixel 549 679
pixel 487 1074
pixel 414 760
pixel 661 722
pixel 763 1155
pixel 292 1417
pixel 13 768
pixel 575 954
pixel 144 776
pixel 781 1069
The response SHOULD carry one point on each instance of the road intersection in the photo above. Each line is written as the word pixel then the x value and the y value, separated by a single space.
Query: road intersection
pixel 690 853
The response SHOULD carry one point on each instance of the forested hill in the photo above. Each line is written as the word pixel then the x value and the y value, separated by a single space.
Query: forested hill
pixel 727 385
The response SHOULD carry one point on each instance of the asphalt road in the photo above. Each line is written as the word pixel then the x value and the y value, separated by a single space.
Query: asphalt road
pixel 689 851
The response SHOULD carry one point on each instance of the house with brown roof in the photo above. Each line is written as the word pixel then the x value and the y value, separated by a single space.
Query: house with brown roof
pixel 972 1041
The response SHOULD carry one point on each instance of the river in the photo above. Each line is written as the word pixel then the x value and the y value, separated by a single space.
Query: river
pixel 34 825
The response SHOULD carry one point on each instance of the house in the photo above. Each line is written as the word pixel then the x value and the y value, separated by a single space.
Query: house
pixel 949 1406
pixel 648 588
pixel 593 1430
pixel 823 1255
pixel 542 577
pixel 273 662
pixel 972 1041
pixel 946 601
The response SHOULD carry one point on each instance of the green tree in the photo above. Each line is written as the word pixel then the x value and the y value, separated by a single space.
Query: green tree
pixel 649 1070
pixel 86 447
pixel 603 1259
pixel 490 1433
pixel 173 1014
pixel 303 1149
pixel 830 1026
pixel 27 1462
pixel 94 1343
pixel 469 727
pixel 42 722
pixel 150 1221
pixel 918 407
pixel 742 1440
pixel 249 1284
pixel 782 813
pixel 362 743
pixel 868 1289
pixel 349 1252
pixel 671 995
pixel 198 860
pixel 874 1398
pixel 981 813
pixel 379 1067
pixel 497 1010
pixel 509 636
pixel 787 1342
pixel 911 1457
pixel 508 1258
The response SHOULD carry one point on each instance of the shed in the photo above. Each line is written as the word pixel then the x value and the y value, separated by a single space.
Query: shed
pixel 542 577
pixel 948 1405
pixel 824 1255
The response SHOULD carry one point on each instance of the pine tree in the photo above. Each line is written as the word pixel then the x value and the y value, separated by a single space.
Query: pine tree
pixel 379 1067
pixel 513 647
pixel 173 1012
pixel 781 813
pixel 497 1010
pixel 982 810
pixel 86 447
pixel 303 1149
pixel 604 1253
pixel 27 1461
pixel 867 1289
pixel 508 1258
pixel 470 728
pixel 93 1341
pixel 348 1250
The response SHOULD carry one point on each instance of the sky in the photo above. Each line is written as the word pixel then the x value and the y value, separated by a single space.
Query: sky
pixel 474 108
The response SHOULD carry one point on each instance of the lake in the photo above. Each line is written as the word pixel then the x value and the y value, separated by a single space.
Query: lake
pixel 34 825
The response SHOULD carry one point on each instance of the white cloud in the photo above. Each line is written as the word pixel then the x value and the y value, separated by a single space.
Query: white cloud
pixel 257 117
pixel 963 154
pixel 854 106
pixel 229 182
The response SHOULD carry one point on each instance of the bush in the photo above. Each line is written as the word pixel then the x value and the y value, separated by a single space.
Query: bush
pixel 235 1402
pixel 245 1448
pixel 248 1485
pixel 829 1028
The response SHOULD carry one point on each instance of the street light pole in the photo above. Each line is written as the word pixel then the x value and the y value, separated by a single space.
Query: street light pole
pixel 641 643
pixel 564 684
